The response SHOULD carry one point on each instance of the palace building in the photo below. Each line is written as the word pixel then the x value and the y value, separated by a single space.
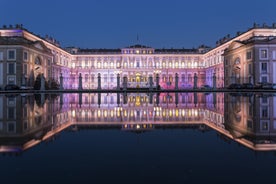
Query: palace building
pixel 249 56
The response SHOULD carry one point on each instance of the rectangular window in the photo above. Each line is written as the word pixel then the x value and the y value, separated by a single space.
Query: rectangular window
pixel 11 113
pixel 1 56
pixel 11 101
pixel 250 68
pixel 25 56
pixel 11 55
pixel 263 54
pixel 274 55
pixel 248 55
pixel 25 69
pixel 111 78
pixel 249 124
pixel 92 78
pixel 264 100
pixel 105 77
pixel 11 127
pixel 264 79
pixel 11 68
pixel 264 112
pixel 264 67
pixel 182 77
pixel 264 126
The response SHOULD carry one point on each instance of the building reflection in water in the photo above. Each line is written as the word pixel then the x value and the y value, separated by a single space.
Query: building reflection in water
pixel 26 120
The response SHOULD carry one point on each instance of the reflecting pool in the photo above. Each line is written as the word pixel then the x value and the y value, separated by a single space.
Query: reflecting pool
pixel 138 138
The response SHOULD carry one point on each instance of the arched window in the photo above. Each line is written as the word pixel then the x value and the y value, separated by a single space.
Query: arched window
pixel 99 64
pixel 176 64
pixel 237 61
pixel 37 61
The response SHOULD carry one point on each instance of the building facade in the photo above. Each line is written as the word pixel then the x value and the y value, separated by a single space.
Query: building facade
pixel 246 57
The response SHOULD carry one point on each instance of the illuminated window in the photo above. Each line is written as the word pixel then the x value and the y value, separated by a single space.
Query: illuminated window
pixel 164 64
pixel 264 126
pixel 263 54
pixel 118 64
pixel 99 64
pixel 105 64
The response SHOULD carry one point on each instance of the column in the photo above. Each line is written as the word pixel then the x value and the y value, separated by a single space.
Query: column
pixel 61 81
pixel 118 81
pixel 124 83
pixel 157 82
pixel 176 81
pixel 23 80
pixel 214 81
pixel 80 82
pixel 195 81
pixel 99 81
pixel 150 83
pixel 42 83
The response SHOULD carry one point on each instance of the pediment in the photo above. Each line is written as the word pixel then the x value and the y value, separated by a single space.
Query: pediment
pixel 235 45
pixel 41 46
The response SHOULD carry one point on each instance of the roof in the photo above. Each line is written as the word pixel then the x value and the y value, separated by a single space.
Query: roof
pixel 138 46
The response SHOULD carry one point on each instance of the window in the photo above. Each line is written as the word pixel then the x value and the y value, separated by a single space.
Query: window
pixel 11 101
pixel 25 69
pixel 93 78
pixel 183 77
pixel 264 100
pixel 273 55
pixel 264 126
pixel 11 113
pixel 264 79
pixel 37 61
pixel 11 127
pixel 1 56
pixel 248 55
pixel 249 124
pixel 237 61
pixel 264 112
pixel 11 80
pixel 111 78
pixel 11 68
pixel 105 77
pixel 263 54
pixel 11 55
pixel 25 56
pixel 264 67
pixel 250 68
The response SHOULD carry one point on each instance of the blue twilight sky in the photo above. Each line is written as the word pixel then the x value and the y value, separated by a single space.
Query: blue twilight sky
pixel 116 23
